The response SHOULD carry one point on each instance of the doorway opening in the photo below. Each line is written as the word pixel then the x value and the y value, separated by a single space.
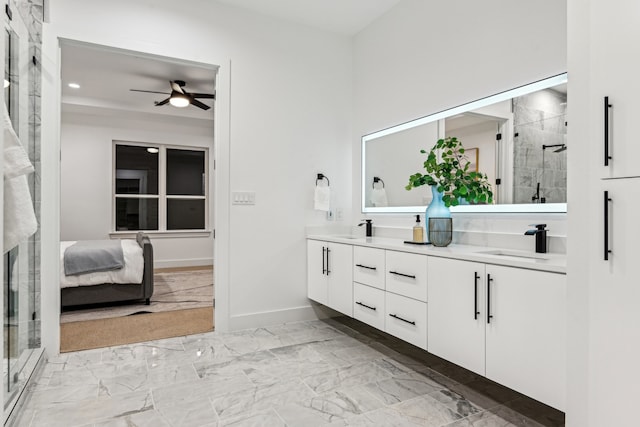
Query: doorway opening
pixel 137 168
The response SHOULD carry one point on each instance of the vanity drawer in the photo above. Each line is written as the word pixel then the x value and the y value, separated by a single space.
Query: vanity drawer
pixel 407 274
pixel 406 319
pixel 368 266
pixel 368 305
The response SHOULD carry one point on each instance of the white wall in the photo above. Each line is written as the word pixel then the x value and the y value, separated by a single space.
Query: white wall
pixel 424 57
pixel 285 115
pixel 86 144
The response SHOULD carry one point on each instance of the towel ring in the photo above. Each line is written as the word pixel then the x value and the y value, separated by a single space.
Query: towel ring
pixel 321 177
pixel 375 181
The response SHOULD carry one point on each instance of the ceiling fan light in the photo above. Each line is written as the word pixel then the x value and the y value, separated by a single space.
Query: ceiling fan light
pixel 179 100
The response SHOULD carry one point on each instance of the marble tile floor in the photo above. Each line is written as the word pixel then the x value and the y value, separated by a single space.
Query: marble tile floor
pixel 336 372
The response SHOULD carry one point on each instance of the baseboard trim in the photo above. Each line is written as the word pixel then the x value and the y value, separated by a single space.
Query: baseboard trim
pixel 277 317
pixel 193 262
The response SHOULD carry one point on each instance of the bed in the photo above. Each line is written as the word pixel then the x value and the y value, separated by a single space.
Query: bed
pixel 112 286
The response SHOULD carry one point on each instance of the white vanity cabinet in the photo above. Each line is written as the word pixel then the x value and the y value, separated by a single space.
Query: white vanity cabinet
pixel 457 312
pixel 330 275
pixel 505 323
pixel 526 332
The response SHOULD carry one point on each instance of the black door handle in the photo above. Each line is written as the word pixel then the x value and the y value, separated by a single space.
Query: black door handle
pixel 328 271
pixel 607 157
pixel 607 251
pixel 475 295
pixel 324 269
pixel 404 320
pixel 366 306
pixel 489 315
pixel 366 266
pixel 402 274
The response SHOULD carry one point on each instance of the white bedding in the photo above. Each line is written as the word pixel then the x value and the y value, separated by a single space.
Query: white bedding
pixel 131 273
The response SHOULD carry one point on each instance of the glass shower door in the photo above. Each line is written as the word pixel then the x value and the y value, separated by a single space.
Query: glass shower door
pixel 21 281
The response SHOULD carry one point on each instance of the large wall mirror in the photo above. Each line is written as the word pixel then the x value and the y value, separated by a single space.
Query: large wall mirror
pixel 516 137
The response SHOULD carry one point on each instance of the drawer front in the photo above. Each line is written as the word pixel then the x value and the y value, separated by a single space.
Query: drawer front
pixel 368 305
pixel 406 319
pixel 407 274
pixel 368 266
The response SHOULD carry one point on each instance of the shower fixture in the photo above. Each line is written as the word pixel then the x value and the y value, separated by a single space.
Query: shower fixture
pixel 563 147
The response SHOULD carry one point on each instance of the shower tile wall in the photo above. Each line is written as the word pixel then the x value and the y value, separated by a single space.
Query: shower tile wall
pixel 539 118
pixel 31 12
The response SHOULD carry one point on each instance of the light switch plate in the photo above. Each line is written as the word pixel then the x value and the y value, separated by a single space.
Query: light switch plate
pixel 243 198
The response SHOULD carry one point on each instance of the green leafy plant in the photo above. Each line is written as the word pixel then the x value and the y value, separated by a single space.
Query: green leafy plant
pixel 452 175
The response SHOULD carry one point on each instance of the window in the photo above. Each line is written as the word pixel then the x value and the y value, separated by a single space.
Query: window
pixel 160 188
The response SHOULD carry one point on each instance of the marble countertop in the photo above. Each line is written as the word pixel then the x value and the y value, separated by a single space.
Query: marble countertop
pixel 551 262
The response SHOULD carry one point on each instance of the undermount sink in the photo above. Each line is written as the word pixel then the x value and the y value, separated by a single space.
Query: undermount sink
pixel 515 254
pixel 345 236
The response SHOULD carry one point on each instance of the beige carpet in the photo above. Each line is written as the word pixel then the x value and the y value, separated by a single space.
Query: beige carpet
pixel 174 289
pixel 132 329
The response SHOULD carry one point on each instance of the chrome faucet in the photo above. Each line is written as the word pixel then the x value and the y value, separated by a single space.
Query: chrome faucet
pixel 369 226
pixel 541 237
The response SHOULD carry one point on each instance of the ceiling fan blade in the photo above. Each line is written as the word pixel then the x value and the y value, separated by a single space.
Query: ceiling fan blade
pixel 163 102
pixel 148 91
pixel 175 86
pixel 204 95
pixel 199 104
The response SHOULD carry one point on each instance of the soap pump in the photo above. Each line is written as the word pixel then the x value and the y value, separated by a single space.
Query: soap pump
pixel 418 231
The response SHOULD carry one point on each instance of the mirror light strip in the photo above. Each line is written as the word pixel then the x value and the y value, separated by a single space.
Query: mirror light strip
pixel 493 99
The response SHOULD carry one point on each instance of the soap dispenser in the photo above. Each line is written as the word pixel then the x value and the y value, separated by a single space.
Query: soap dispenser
pixel 418 231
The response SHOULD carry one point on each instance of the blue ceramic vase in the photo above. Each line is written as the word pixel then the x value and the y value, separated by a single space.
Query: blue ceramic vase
pixel 436 209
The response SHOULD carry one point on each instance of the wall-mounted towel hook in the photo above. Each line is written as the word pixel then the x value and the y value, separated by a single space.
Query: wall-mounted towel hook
pixel 376 180
pixel 321 177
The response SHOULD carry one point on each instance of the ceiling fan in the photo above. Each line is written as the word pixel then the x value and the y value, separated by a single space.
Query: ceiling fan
pixel 179 97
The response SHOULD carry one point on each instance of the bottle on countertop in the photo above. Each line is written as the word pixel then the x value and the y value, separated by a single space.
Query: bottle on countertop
pixel 418 231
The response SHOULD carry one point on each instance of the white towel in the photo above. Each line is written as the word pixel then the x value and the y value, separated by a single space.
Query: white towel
pixel 19 217
pixel 322 198
pixel 379 197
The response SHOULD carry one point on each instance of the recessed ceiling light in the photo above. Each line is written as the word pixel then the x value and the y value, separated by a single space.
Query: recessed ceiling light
pixel 152 150
pixel 74 85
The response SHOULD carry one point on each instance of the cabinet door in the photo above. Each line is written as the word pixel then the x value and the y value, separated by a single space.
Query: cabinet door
pixel 340 278
pixel 407 274
pixel 368 266
pixel 614 72
pixel 614 296
pixel 457 312
pixel 525 336
pixel 316 271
